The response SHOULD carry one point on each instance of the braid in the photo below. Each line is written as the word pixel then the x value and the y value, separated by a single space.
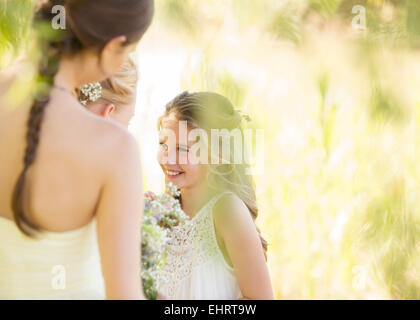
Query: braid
pixel 48 67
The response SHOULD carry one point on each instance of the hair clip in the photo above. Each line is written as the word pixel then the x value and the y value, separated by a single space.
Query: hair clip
pixel 244 116
pixel 90 92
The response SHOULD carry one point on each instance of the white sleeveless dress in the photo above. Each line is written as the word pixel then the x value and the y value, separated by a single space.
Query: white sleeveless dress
pixel 195 268
pixel 56 266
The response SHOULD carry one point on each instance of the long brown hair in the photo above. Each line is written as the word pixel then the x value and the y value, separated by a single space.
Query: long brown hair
pixel 208 110
pixel 89 24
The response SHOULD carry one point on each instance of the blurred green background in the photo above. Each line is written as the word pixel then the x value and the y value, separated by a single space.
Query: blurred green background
pixel 339 102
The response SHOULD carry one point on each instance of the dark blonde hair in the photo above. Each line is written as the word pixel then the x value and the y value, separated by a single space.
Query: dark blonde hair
pixel 208 110
pixel 120 88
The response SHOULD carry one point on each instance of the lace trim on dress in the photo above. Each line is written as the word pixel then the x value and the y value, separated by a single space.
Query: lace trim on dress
pixel 189 247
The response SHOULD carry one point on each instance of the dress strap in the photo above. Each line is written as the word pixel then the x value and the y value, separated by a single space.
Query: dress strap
pixel 207 209
pixel 217 198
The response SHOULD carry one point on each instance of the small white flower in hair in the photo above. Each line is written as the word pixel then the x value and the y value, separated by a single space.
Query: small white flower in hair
pixel 244 115
pixel 90 92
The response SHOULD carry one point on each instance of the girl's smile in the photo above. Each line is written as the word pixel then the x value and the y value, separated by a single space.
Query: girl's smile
pixel 172 173
pixel 173 157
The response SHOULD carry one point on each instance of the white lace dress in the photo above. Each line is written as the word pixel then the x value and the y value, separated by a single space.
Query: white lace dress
pixel 195 268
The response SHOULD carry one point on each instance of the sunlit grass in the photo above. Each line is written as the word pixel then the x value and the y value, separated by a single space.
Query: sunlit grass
pixel 340 109
pixel 339 189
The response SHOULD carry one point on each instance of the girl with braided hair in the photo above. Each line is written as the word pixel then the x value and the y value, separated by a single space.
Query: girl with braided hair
pixel 70 209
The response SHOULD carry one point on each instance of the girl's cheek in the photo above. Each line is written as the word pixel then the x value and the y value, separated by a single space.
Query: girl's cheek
pixel 195 171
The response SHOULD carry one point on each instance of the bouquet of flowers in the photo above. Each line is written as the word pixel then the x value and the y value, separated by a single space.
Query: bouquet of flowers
pixel 161 213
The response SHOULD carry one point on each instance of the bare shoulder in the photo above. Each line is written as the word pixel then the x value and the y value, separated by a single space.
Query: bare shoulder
pixel 115 137
pixel 117 145
pixel 100 142
pixel 230 213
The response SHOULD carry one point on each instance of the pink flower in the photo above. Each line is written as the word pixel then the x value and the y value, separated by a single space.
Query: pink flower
pixel 150 195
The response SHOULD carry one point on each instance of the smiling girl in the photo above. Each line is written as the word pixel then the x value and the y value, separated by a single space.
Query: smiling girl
pixel 220 254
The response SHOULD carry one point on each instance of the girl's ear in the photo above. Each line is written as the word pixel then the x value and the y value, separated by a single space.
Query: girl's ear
pixel 107 109
pixel 115 44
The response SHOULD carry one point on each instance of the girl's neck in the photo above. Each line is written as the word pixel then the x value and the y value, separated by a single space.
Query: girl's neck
pixel 193 199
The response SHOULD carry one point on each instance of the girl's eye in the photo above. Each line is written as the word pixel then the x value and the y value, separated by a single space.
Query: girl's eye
pixel 182 149
pixel 163 145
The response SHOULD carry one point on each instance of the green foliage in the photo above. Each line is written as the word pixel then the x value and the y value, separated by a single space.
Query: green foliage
pixel 396 22
pixel 412 21
pixel 338 197
pixel 383 105
pixel 286 25
pixel 207 78
pixel 390 231
pixel 326 112
pixel 327 8
pixel 15 17
pixel 180 15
